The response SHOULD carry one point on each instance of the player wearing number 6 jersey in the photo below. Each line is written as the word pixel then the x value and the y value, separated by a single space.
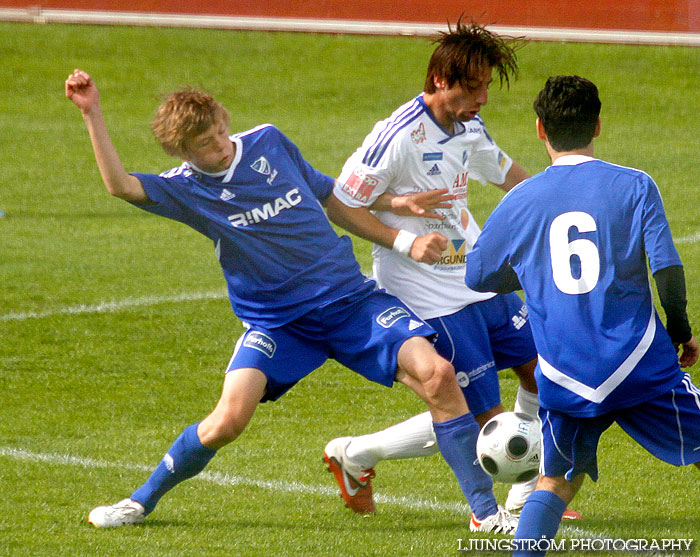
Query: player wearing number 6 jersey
pixel 577 237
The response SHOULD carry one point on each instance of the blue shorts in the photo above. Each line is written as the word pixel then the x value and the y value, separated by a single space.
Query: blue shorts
pixel 362 331
pixel 481 339
pixel 667 426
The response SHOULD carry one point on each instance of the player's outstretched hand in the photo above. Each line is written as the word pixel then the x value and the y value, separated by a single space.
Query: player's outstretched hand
pixel 81 89
pixel 422 204
pixel 429 248
pixel 690 352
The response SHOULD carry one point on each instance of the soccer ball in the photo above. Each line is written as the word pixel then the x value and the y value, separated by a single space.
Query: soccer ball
pixel 509 447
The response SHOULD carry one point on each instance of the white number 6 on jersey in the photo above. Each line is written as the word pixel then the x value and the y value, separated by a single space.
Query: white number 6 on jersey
pixel 561 251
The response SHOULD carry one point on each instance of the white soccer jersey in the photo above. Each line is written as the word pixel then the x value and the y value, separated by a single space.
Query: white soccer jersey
pixel 407 153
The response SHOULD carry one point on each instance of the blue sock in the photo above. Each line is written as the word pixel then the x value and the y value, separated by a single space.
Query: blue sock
pixel 457 441
pixel 186 458
pixel 539 519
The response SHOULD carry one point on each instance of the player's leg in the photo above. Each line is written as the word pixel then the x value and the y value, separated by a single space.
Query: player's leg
pixel 455 428
pixel 413 437
pixel 385 342
pixel 504 326
pixel 192 450
pixel 543 511
pixel 265 364
pixel 569 452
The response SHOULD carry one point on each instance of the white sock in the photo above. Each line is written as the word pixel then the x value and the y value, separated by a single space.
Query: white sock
pixel 526 403
pixel 413 437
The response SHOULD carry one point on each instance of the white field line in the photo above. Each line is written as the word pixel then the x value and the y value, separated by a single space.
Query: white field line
pixel 413 503
pixel 690 239
pixel 232 480
pixel 107 307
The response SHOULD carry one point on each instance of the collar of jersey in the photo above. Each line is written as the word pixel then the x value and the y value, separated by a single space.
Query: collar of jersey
pixel 458 125
pixel 227 174
pixel 571 160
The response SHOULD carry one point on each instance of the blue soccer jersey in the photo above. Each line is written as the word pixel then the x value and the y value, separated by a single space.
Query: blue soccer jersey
pixel 279 254
pixel 578 236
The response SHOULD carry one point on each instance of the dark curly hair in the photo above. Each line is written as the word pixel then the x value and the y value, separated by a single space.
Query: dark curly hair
pixel 463 52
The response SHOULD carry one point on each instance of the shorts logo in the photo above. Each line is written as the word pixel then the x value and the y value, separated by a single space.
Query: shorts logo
pixel 261 342
pixel 391 316
pixel 520 319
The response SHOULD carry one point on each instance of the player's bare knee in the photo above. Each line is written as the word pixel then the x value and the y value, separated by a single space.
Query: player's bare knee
pixel 219 430
pixel 439 380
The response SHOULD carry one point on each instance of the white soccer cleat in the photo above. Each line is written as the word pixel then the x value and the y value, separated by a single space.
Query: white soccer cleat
pixel 355 483
pixel 120 514
pixel 518 494
pixel 501 522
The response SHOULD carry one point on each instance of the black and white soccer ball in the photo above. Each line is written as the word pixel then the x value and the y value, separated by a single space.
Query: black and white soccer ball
pixel 509 447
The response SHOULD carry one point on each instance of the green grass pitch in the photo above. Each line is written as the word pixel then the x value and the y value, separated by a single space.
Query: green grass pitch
pixel 114 328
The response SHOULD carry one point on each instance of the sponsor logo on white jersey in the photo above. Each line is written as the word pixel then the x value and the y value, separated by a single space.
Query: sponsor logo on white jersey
pixel 391 316
pixel 267 211
pixel 360 185
pixel 432 156
pixel 261 342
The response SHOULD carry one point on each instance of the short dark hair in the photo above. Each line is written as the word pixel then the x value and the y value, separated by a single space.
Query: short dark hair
pixel 568 107
pixel 466 50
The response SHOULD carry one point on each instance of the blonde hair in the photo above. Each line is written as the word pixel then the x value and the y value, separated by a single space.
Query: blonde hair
pixel 183 115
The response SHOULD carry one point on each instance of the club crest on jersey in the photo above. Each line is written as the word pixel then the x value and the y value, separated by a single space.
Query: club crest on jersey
pixel 260 342
pixel 267 211
pixel 360 185
pixel 391 316
pixel 418 135
pixel 262 166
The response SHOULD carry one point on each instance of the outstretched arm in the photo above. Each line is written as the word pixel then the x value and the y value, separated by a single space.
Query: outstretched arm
pixel 420 204
pixel 359 221
pixel 82 91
